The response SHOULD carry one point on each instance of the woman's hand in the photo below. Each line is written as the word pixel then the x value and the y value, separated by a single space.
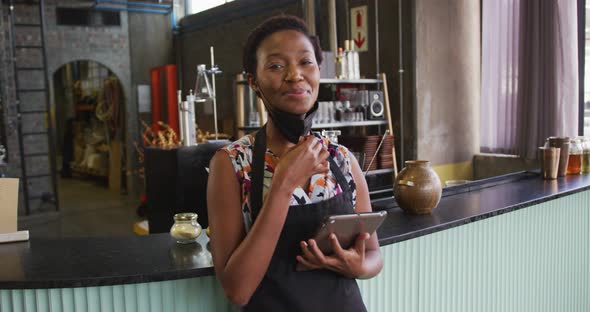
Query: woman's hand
pixel 348 262
pixel 307 158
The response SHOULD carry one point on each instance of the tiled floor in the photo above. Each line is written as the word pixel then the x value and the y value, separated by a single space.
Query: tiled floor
pixel 86 209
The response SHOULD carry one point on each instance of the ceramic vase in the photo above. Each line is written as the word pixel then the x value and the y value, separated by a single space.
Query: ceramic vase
pixel 417 188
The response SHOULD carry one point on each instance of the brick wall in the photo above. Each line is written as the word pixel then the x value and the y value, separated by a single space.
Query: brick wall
pixel 106 45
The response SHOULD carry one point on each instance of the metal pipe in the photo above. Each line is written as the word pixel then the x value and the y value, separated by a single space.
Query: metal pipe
pixel 240 105
pixel 310 16
pixel 333 27
pixel 132 3
pixel 131 10
pixel 377 69
pixel 214 93
pixel 401 84
pixel 50 128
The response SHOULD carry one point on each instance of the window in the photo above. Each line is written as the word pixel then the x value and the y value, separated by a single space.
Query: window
pixel 196 6
pixel 530 74
pixel 86 17
pixel 586 107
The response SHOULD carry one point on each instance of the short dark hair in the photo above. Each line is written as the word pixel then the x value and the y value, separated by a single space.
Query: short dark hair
pixel 269 27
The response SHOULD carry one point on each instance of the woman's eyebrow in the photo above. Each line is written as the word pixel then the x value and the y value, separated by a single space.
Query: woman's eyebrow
pixel 279 54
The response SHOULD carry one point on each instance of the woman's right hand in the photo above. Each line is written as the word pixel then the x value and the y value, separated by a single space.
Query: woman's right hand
pixel 307 158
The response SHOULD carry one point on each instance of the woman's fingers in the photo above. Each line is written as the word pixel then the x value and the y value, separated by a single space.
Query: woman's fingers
pixel 322 167
pixel 307 253
pixel 338 251
pixel 316 252
pixel 359 245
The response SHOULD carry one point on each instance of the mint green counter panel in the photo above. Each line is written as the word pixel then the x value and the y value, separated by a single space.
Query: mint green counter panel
pixel 533 259
pixel 195 294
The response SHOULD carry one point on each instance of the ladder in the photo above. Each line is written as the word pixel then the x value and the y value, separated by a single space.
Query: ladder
pixel 34 120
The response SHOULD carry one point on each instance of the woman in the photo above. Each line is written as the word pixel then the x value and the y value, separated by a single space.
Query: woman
pixel 287 182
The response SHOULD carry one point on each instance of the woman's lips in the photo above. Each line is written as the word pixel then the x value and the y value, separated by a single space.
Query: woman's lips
pixel 296 93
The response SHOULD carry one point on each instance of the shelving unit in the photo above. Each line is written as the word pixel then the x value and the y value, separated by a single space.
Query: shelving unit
pixel 379 171
pixel 381 83
pixel 336 81
pixel 350 81
pixel 344 124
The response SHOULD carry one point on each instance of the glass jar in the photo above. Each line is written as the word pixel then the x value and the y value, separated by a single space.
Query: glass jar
pixel 185 229
pixel 574 164
pixel 586 155
pixel 338 111
pixel 348 112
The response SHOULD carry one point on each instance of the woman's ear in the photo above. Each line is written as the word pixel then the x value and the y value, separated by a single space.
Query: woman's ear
pixel 253 84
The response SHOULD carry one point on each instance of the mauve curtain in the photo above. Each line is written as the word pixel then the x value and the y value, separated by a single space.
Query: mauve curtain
pixel 499 80
pixel 529 74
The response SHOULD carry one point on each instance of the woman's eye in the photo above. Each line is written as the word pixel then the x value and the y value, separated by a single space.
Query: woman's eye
pixel 307 62
pixel 275 66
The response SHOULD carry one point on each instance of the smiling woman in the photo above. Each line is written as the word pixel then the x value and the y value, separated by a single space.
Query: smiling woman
pixel 287 74
pixel 280 184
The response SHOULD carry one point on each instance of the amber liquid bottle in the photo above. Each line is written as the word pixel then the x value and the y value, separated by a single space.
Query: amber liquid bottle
pixel 574 165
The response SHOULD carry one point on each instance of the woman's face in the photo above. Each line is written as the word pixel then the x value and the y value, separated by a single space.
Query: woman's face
pixel 287 73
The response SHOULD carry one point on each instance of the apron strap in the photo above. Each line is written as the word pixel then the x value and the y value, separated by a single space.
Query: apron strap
pixel 258 172
pixel 338 175
pixel 258 167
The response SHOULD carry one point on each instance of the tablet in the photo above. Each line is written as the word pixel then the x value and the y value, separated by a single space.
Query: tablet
pixel 347 227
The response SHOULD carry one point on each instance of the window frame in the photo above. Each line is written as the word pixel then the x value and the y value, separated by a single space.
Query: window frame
pixel 581 64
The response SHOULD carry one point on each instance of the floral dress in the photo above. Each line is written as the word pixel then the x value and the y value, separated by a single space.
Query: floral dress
pixel 321 187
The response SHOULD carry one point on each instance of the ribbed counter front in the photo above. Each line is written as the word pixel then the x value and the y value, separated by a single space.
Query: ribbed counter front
pixel 517 239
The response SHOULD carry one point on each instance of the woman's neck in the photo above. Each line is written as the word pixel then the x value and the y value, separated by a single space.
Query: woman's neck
pixel 275 140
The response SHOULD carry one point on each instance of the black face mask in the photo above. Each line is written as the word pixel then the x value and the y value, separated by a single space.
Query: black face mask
pixel 292 126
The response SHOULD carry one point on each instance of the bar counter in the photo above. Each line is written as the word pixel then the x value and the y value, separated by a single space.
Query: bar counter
pixel 509 243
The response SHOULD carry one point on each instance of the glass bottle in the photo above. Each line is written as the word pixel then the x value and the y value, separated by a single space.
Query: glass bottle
pixel 355 60
pixel 574 165
pixel 349 59
pixel 348 112
pixel 586 155
pixel 203 91
pixel 341 65
pixel 339 111
pixel 185 229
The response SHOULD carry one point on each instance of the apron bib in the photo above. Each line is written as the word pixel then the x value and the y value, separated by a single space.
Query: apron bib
pixel 282 287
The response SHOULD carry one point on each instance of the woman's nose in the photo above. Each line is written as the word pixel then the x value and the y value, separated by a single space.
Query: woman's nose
pixel 293 74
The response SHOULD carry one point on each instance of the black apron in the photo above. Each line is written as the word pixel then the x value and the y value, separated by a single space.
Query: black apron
pixel 282 287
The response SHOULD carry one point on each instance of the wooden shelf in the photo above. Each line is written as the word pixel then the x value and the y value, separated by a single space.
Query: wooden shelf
pixel 349 124
pixel 379 171
pixel 350 81
pixel 336 124
pixel 336 81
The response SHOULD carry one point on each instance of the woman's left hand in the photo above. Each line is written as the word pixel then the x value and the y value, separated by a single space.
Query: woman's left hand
pixel 348 262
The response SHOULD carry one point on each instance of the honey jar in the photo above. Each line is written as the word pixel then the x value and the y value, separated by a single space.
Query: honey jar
pixel 185 229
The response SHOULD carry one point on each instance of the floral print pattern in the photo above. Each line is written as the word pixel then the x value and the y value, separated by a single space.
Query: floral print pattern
pixel 321 186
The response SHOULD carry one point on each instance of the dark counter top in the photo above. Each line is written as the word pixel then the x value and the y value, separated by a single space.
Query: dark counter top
pixel 82 262
pixel 476 201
